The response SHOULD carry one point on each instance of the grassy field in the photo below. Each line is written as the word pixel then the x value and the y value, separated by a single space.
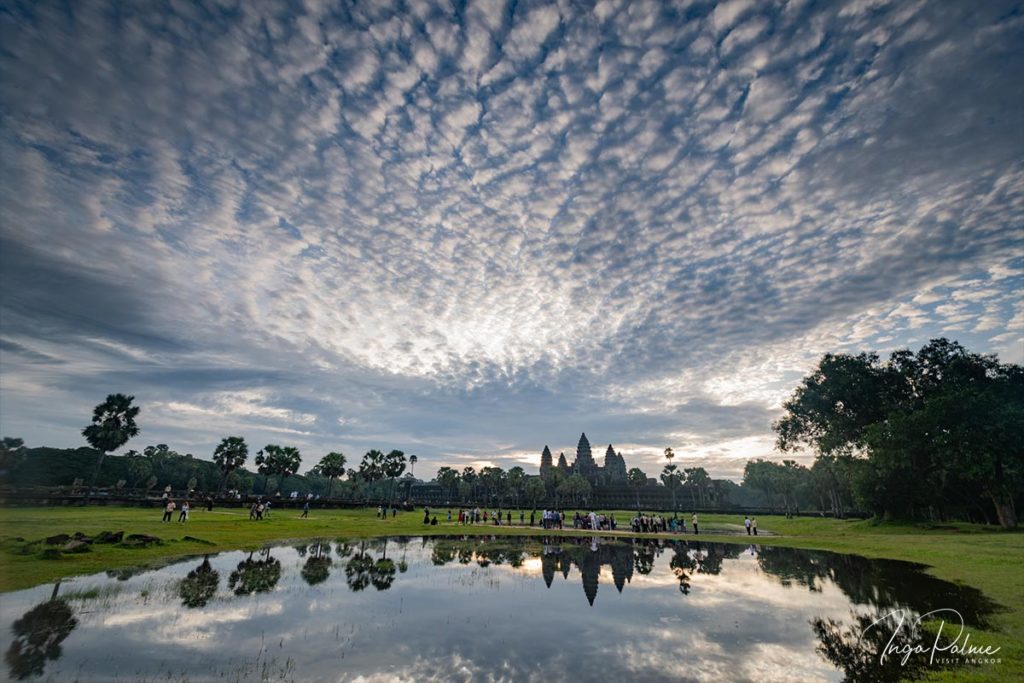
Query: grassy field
pixel 985 558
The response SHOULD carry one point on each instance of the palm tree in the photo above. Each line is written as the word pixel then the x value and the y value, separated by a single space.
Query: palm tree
pixel 412 464
pixel 113 423
pixel 331 466
pixel 637 479
pixel 283 461
pixel 229 455
pixel 394 465
pixel 670 477
pixel 515 477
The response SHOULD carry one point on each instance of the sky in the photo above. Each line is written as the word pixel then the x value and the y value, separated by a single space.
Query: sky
pixel 466 230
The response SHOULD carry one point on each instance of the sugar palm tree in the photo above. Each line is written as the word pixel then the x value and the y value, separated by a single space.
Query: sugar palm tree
pixel 113 423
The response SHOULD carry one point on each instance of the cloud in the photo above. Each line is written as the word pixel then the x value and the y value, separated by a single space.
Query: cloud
pixel 474 232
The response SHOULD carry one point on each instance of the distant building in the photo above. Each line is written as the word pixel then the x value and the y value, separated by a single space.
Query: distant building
pixel 612 473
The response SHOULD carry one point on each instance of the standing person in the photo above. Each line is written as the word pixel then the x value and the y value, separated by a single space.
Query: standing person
pixel 252 510
pixel 693 521
pixel 449 515
pixel 508 516
pixel 746 523
pixel 426 515
pixel 183 517
pixel 260 507
pixel 533 519
pixel 521 515
pixel 593 520
pixel 168 510
pixel 209 504
pixel 305 510
pixel 753 525
pixel 266 510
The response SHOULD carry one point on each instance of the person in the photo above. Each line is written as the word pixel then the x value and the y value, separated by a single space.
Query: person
pixel 260 507
pixel 252 510
pixel 168 510
pixel 266 510
pixel 508 517
pixel 449 514
pixel 533 519
pixel 209 504
pixel 746 523
pixel 305 510
pixel 426 515
pixel 693 521
pixel 183 517
pixel 394 511
pixel 593 520
pixel 521 515
pixel 753 525
pixel 433 521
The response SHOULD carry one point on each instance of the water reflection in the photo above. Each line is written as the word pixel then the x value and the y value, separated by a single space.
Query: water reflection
pixel 255 576
pixel 680 610
pixel 38 635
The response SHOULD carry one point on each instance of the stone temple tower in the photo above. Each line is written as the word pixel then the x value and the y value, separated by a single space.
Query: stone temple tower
pixel 545 460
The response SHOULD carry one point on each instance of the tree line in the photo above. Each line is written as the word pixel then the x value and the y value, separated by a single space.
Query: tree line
pixel 937 434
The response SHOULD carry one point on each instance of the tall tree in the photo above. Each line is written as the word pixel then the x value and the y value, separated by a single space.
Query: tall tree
pixel 670 478
pixel 113 423
pixel 412 464
pixel 637 480
pixel 283 461
pixel 331 466
pixel 929 426
pixel 230 454
pixel 535 491
pixel 393 466
pixel 448 478
pixel 515 478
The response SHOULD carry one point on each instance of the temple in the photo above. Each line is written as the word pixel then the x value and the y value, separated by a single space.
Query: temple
pixel 613 472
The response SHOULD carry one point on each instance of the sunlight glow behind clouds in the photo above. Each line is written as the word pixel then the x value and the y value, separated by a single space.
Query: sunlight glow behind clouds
pixel 463 228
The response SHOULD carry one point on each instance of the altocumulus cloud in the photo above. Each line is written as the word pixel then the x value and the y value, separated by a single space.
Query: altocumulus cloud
pixel 469 229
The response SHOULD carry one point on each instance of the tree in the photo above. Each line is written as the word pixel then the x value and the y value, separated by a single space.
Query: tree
pixel 371 468
pixel 12 452
pixel 283 461
pixel 448 478
pixel 392 467
pixel 199 587
pixel 670 478
pixel 554 478
pixel 331 466
pixel 230 454
pixel 514 478
pixel 535 491
pixel 699 480
pixel 934 429
pixel 637 480
pixel 412 464
pixel 113 423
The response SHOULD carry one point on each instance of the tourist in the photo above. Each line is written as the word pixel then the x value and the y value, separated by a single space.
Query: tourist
pixel 183 517
pixel 252 511
pixel 168 510
pixel 449 514
pixel 593 520
pixel 394 511
pixel 746 523
pixel 260 507
pixel 209 504
pixel 533 519
pixel 305 510
pixel 611 522
pixel 693 521
pixel 753 525
pixel 433 521
pixel 426 515
pixel 266 508
pixel 508 516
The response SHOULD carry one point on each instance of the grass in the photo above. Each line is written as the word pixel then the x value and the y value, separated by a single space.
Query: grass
pixel 983 557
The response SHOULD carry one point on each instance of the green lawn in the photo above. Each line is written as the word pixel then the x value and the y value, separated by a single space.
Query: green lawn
pixel 983 557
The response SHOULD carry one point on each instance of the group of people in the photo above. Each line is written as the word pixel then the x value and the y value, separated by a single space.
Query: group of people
pixel 170 506
pixel 594 521
pixel 259 510
pixel 656 524
pixel 751 525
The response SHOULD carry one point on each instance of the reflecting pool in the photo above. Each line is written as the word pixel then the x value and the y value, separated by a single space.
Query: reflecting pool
pixel 482 609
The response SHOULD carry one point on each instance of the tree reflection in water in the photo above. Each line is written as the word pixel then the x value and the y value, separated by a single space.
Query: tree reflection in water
pixel 38 635
pixel 199 586
pixel 255 576
pixel 318 566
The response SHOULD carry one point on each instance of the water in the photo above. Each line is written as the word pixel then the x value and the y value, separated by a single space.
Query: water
pixel 477 609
